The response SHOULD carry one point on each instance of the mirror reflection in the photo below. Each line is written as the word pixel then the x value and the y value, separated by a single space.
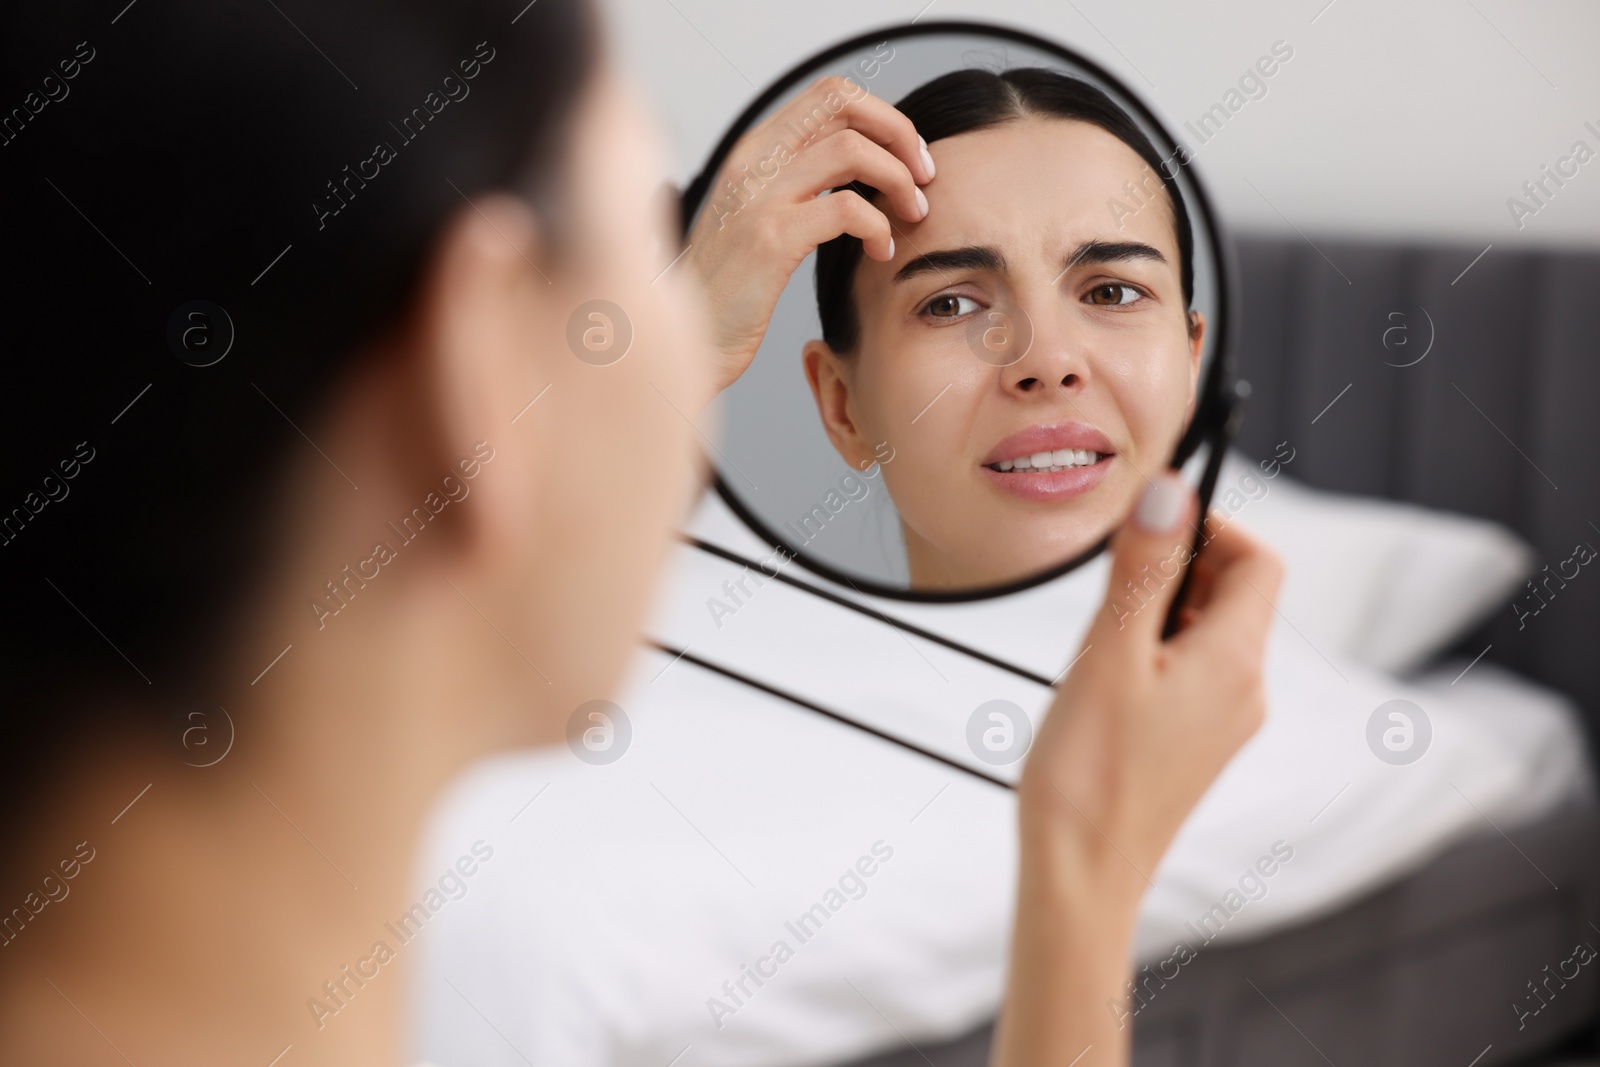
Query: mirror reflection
pixel 958 333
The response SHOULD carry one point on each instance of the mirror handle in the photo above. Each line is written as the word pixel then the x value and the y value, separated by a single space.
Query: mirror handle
pixel 1221 436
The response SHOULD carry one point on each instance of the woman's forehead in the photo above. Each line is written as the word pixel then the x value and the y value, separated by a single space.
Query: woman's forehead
pixel 1037 186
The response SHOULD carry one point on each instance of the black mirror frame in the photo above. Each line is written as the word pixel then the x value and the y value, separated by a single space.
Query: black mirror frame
pixel 1216 411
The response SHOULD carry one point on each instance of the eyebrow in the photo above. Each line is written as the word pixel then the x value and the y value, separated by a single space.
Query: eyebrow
pixel 1096 252
pixel 984 257
pixel 972 257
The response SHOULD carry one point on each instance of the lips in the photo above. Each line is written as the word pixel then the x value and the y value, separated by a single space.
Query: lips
pixel 1050 462
pixel 1049 437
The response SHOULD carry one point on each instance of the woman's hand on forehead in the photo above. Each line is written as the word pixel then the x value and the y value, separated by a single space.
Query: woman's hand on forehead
pixel 767 210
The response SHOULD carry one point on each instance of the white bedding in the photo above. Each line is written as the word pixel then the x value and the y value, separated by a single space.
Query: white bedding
pixel 620 901
pixel 625 903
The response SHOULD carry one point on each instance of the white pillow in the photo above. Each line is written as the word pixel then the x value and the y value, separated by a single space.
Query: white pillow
pixel 1388 585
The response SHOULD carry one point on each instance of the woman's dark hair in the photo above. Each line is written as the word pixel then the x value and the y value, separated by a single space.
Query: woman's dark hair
pixel 967 100
pixel 286 164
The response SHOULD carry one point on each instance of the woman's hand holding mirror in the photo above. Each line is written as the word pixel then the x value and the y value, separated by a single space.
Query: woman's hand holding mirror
pixel 1139 730
pixel 766 211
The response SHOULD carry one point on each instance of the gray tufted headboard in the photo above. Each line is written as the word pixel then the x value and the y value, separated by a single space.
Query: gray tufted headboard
pixel 1501 419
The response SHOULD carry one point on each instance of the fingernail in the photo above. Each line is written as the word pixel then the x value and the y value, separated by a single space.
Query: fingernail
pixel 922 204
pixel 927 157
pixel 891 248
pixel 1161 506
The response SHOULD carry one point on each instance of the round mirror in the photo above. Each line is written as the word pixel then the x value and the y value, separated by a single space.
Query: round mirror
pixel 969 297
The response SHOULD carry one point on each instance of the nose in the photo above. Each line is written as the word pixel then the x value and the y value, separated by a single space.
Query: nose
pixel 1054 362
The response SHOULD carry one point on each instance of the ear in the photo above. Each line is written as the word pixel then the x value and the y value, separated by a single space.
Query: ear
pixel 476 349
pixel 828 375
pixel 1197 344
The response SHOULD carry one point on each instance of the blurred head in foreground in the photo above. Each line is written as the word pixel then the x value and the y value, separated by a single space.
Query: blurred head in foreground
pixel 324 474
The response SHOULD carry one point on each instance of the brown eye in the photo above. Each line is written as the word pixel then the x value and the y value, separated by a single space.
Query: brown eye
pixel 1112 293
pixel 950 306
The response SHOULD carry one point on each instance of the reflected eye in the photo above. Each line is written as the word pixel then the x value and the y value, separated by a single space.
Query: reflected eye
pixel 1113 293
pixel 949 306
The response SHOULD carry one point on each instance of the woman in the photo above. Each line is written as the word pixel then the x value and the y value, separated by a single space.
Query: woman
pixel 1027 355
pixel 333 520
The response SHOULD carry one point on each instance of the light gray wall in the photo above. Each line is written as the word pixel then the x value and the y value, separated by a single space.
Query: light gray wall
pixel 1413 119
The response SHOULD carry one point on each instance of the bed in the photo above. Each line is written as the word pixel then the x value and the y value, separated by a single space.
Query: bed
pixel 1431 973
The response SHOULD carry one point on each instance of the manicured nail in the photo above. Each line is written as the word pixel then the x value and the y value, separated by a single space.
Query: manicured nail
pixel 922 204
pixel 927 157
pixel 891 248
pixel 1161 507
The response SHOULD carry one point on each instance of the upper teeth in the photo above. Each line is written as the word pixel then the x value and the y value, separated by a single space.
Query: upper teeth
pixel 1060 459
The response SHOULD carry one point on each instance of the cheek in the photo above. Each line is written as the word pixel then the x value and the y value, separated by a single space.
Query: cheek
pixel 907 384
pixel 622 448
pixel 617 479
pixel 1149 384
pixel 926 402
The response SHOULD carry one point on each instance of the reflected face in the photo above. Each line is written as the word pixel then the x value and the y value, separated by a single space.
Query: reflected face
pixel 1027 353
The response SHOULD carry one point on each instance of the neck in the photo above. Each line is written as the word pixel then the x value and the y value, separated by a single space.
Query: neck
pixel 237 909
pixel 931 570
pixel 201 926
